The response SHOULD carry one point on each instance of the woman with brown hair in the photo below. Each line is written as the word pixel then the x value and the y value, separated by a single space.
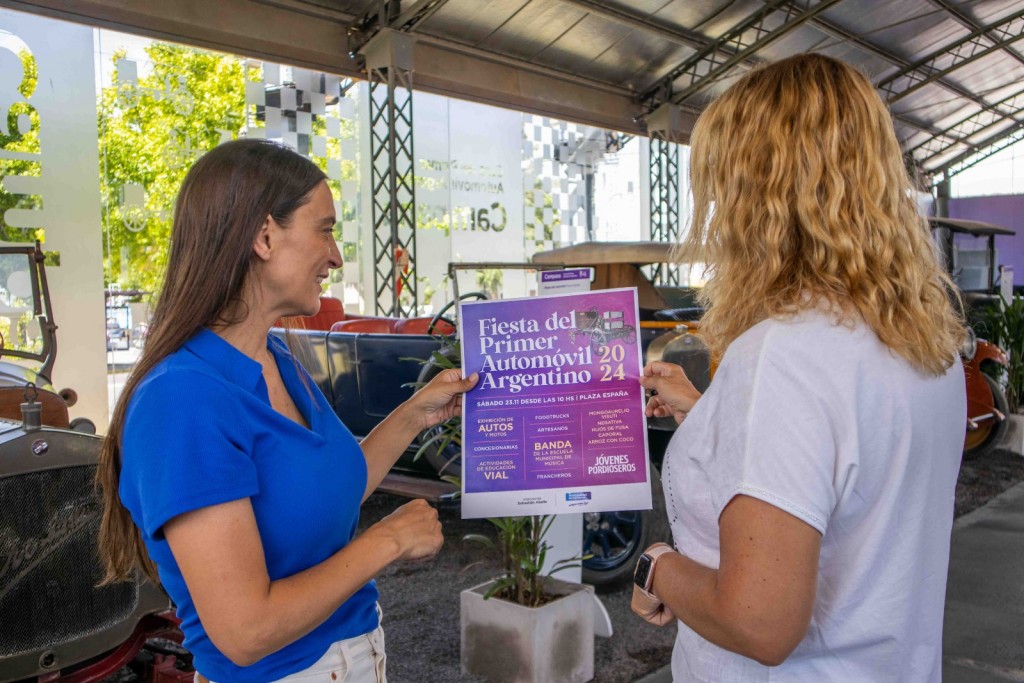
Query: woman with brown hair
pixel 810 489
pixel 226 476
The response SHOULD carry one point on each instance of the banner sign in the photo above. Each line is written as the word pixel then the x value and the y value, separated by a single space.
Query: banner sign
pixel 565 281
pixel 556 422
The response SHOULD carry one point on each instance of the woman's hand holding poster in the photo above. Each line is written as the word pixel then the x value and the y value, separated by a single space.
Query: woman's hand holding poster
pixel 556 422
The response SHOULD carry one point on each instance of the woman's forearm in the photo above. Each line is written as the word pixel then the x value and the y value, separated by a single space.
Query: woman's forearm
pixel 293 606
pixel 691 591
pixel 759 602
pixel 248 615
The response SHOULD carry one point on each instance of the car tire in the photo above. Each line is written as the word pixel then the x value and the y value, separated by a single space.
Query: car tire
pixel 989 434
pixel 613 561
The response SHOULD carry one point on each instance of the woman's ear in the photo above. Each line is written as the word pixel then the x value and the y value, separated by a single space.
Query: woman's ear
pixel 261 246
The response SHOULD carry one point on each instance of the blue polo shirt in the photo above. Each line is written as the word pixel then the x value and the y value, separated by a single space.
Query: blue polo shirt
pixel 200 431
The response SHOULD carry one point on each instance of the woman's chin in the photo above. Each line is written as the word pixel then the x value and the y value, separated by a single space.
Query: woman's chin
pixel 305 310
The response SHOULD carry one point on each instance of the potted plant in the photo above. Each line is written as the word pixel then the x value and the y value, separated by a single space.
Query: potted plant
pixel 1004 324
pixel 522 625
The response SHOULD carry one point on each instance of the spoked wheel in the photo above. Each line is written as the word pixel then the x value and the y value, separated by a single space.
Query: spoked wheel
pixel 440 315
pixel 615 540
pixel 611 537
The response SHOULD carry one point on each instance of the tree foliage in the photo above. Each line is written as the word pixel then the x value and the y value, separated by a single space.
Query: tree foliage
pixel 150 133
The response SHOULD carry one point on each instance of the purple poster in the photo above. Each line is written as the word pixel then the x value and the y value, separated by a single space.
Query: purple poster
pixel 556 422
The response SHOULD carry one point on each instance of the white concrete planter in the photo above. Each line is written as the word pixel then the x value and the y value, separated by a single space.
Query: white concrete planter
pixel 1013 439
pixel 509 643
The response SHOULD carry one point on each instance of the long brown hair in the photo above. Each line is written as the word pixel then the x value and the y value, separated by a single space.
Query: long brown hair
pixel 801 197
pixel 223 202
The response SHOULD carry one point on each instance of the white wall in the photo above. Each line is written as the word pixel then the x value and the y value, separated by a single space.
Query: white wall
pixel 65 99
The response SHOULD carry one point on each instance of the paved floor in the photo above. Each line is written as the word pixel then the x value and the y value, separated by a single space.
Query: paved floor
pixel 984 628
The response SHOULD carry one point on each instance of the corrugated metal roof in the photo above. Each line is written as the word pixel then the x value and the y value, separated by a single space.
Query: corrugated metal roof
pixel 951 70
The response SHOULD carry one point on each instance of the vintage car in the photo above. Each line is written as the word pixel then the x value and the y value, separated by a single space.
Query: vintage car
pixel 986 401
pixel 367 365
pixel 56 622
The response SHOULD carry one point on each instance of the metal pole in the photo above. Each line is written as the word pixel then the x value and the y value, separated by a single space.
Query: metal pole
pixel 664 202
pixel 944 236
pixel 393 189
pixel 589 196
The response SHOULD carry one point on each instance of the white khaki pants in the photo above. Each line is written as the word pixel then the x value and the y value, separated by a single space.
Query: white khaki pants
pixel 355 660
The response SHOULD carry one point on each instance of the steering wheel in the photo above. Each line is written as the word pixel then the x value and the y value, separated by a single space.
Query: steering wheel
pixel 439 316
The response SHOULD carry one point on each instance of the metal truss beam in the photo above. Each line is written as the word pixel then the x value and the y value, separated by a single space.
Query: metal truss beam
pixel 979 43
pixel 675 34
pixel 417 14
pixel 741 42
pixel 388 14
pixel 664 177
pixel 940 138
pixel 971 24
pixel 866 45
pixel 983 150
pixel 261 30
pixel 392 187
pixel 614 142
pixel 965 128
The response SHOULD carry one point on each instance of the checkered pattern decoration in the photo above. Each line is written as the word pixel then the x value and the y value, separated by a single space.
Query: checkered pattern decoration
pixel 305 110
pixel 554 202
pixel 301 109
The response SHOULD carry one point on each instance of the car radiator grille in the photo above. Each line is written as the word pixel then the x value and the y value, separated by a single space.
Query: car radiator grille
pixel 49 567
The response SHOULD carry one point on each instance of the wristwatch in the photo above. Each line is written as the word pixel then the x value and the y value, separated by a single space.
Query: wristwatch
pixel 643 577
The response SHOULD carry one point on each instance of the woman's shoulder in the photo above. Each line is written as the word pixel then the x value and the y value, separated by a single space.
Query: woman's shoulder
pixel 180 377
pixel 810 342
pixel 808 332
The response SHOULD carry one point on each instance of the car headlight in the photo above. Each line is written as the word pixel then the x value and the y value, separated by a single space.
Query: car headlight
pixel 969 345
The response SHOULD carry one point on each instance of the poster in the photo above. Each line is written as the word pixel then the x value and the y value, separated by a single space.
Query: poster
pixel 556 421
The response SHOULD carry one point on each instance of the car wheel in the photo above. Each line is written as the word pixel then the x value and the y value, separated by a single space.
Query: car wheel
pixel 989 433
pixel 615 540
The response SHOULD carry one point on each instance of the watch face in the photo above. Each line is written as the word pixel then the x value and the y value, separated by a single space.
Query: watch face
pixel 643 570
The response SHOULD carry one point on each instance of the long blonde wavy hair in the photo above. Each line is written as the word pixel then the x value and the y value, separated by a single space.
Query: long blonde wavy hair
pixel 801 198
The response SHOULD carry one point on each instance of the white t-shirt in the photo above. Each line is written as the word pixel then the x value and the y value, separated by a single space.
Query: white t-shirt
pixel 824 422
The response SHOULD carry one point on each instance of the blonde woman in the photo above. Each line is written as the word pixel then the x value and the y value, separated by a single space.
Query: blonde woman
pixel 810 489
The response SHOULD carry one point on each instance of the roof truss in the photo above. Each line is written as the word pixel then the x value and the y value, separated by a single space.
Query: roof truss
pixel 332 31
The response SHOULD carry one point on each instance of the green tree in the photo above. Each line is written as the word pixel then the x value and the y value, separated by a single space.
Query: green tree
pixel 538 229
pixel 489 282
pixel 150 133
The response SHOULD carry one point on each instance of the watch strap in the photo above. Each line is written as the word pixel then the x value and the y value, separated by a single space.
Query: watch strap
pixel 658 549
pixel 654 552
pixel 646 604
